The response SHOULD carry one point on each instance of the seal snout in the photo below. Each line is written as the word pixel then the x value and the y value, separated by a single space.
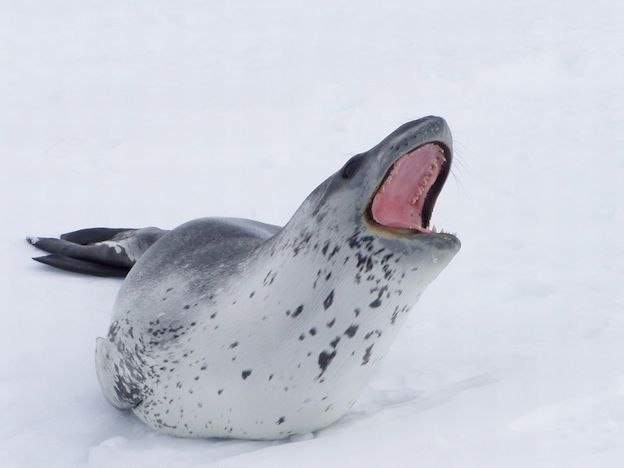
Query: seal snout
pixel 407 195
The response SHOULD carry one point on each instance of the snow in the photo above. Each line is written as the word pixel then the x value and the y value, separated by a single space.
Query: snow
pixel 136 114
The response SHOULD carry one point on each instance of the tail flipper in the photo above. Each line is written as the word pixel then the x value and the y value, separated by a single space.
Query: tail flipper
pixel 92 235
pixel 97 251
pixel 82 266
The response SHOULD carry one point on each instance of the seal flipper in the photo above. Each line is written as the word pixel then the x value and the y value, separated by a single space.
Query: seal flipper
pixel 107 252
pixel 120 380
pixel 92 235
pixel 116 249
pixel 85 267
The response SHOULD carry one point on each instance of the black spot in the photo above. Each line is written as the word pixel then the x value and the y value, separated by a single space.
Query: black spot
pixel 271 377
pixel 335 342
pixel 357 312
pixel 312 331
pixel 325 359
pixel 187 307
pixel 368 335
pixel 395 314
pixel 376 303
pixel 169 289
pixel 301 337
pixel 333 252
pixel 246 373
pixel 252 294
pixel 269 278
pixel 281 420
pixel 325 247
pixel 350 332
pixel 329 300
pixel 367 355
pixel 220 391
pixel 297 311
pixel 386 258
pixel 331 323
pixel 234 345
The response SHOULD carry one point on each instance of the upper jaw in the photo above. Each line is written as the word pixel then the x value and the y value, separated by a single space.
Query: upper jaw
pixel 412 135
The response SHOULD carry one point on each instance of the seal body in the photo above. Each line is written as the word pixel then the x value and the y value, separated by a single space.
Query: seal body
pixel 284 349
pixel 234 328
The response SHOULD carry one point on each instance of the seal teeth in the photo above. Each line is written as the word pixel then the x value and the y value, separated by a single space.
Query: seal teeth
pixel 425 181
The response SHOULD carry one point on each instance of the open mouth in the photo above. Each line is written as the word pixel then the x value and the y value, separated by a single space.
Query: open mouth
pixel 408 193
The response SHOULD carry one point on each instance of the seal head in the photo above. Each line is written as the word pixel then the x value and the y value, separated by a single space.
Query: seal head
pixel 390 191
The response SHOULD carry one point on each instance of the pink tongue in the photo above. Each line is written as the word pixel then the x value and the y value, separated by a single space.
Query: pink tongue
pixel 399 201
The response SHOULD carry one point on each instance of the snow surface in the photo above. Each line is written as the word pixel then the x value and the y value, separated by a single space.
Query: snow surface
pixel 116 113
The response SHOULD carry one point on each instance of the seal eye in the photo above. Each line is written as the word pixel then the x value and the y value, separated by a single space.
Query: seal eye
pixel 351 166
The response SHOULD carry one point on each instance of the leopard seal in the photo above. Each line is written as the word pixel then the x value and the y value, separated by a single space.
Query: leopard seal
pixel 232 328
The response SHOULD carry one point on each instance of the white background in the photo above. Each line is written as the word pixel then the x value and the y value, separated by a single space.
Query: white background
pixel 117 113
